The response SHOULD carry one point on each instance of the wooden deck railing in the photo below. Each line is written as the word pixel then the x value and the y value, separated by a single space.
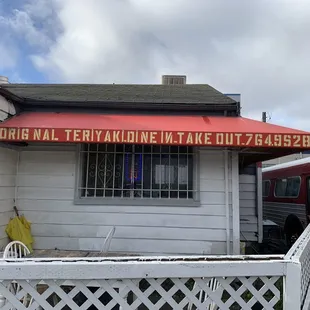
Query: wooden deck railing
pixel 144 283
pixel 227 282
pixel 298 271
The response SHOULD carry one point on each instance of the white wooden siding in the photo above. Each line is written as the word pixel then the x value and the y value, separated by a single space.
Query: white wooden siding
pixel 248 213
pixel 8 161
pixel 235 204
pixel 45 190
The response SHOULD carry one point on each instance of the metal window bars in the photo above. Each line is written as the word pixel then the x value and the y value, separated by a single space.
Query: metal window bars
pixel 136 171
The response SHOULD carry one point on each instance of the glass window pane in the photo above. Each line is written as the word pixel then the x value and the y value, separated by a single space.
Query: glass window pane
pixel 147 171
pixel 138 149
pixel 183 149
pixel 174 149
pixel 111 148
pixel 119 148
pixel 91 171
pixel 118 171
pixel 266 188
pixel 101 147
pixel 287 187
pixel 293 185
pixel 101 170
pixel 147 148
pixel 138 174
pixel 280 187
pixel 173 171
pixel 93 147
pixel 183 172
pixel 156 149
pixel 156 171
pixel 136 171
pixel 128 174
pixel 165 149
pixel 128 148
pixel 190 163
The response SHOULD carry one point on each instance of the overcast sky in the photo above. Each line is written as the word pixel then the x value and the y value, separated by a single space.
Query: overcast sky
pixel 258 48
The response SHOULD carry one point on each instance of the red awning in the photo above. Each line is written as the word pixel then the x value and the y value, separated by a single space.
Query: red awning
pixel 151 129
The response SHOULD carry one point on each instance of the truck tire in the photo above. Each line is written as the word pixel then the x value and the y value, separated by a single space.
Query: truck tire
pixel 292 229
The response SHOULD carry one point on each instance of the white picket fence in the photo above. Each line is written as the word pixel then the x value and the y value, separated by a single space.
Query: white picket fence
pixel 227 282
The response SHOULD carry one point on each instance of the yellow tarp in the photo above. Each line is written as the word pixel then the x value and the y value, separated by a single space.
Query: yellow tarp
pixel 19 229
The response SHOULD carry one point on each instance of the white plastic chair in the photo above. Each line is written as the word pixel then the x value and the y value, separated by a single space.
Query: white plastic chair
pixel 107 241
pixel 213 285
pixel 105 249
pixel 16 250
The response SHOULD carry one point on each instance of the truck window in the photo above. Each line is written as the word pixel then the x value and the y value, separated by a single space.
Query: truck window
pixel 266 188
pixel 287 187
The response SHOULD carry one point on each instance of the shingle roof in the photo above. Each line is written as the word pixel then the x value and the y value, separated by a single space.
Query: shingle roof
pixel 194 94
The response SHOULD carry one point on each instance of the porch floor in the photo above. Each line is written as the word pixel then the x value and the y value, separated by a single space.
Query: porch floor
pixel 67 253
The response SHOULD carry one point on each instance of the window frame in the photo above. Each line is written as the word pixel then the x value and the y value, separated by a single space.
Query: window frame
pixel 116 201
pixel 269 182
pixel 293 177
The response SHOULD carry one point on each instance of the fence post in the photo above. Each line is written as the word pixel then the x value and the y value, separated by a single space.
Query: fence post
pixel 292 286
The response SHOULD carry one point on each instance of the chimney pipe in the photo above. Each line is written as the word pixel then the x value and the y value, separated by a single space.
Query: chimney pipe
pixel 173 79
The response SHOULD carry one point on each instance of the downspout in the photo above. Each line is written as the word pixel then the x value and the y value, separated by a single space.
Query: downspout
pixel 259 201
pixel 227 201
pixel 16 178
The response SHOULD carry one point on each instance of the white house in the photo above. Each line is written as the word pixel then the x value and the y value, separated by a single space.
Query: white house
pixel 167 165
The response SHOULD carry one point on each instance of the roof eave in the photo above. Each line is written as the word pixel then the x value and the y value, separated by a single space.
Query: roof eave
pixel 251 156
pixel 10 96
pixel 235 107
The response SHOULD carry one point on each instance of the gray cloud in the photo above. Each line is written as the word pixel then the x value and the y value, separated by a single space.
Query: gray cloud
pixel 259 48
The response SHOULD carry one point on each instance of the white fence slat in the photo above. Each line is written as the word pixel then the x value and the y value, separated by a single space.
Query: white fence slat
pixel 258 295
pixel 268 286
pixel 203 286
pixel 97 294
pixel 163 293
pixel 10 299
pixel 234 295
pixel 71 294
pixel 142 297
pixel 162 301
pixel 292 287
pixel 56 288
pixel 40 299
pixel 306 305
pixel 95 301
pixel 94 269
pixel 190 295
pixel 213 294
pixel 298 272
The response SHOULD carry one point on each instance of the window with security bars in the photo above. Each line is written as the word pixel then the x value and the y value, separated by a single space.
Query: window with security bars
pixel 136 171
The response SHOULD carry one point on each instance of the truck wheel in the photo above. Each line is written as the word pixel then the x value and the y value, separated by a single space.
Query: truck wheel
pixel 292 229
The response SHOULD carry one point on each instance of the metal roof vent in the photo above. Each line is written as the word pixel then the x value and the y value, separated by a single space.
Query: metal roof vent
pixel 173 79
pixel 4 80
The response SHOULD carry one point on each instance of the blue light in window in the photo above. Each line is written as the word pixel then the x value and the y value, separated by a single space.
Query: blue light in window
pixel 136 175
pixel 127 168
